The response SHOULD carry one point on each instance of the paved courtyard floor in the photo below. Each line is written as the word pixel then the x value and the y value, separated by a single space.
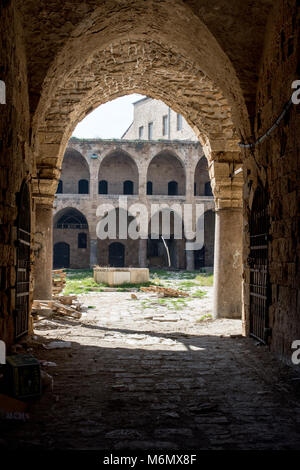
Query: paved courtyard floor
pixel 145 374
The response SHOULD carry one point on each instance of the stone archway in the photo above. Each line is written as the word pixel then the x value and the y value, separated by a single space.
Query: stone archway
pixel 163 169
pixel 198 82
pixel 127 172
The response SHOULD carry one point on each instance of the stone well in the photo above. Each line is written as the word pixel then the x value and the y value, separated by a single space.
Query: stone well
pixel 118 276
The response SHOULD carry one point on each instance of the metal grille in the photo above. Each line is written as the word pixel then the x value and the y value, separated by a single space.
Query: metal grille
pixel 23 264
pixel 258 263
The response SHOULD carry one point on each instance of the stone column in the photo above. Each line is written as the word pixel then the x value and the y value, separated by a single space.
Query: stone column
pixel 227 189
pixel 43 248
pixel 190 260
pixel 228 263
pixel 142 168
pixel 93 252
pixel 142 253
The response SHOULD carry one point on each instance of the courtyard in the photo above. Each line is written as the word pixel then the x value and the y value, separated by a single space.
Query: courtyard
pixel 141 372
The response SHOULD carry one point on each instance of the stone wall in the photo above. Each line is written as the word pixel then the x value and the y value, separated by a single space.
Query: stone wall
pixel 274 165
pixel 15 162
pixel 79 257
pixel 152 111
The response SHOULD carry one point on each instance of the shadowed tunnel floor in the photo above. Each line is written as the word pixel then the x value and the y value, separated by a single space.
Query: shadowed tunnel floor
pixel 128 383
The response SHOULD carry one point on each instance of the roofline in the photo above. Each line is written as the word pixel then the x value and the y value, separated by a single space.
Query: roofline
pixel 136 141
pixel 142 99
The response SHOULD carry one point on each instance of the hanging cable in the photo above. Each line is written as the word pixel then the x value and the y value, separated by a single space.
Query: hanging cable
pixel 271 129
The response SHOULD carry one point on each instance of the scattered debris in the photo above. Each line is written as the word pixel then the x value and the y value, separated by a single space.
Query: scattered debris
pixel 58 280
pixel 165 291
pixel 60 306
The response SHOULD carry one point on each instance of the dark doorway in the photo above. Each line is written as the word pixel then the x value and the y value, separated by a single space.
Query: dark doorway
pixel 128 187
pixel 258 264
pixel 116 255
pixel 23 262
pixel 83 187
pixel 199 257
pixel 172 188
pixel 103 187
pixel 61 255
pixel 149 188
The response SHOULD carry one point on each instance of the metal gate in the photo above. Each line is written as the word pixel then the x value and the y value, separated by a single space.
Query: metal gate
pixel 23 263
pixel 258 263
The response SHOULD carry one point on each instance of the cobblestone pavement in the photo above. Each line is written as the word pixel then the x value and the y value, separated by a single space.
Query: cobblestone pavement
pixel 142 376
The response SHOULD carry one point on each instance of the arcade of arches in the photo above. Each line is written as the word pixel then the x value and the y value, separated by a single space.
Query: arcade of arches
pixel 114 167
pixel 228 70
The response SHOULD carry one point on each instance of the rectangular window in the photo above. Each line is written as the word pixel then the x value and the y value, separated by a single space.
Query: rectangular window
pixel 179 122
pixel 141 132
pixel 165 125
pixel 150 130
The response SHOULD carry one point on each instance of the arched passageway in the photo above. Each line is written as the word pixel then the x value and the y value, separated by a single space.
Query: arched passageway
pixel 125 180
pixel 202 186
pixel 75 175
pixel 166 174
pixel 173 68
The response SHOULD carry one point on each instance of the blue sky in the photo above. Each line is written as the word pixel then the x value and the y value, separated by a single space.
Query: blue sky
pixel 108 121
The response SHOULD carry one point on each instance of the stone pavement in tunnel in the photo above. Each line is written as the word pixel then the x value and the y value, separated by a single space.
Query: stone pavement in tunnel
pixel 129 382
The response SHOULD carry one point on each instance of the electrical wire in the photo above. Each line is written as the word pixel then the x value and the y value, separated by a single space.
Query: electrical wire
pixel 271 129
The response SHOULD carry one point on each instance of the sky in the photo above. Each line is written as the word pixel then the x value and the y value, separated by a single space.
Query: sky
pixel 108 121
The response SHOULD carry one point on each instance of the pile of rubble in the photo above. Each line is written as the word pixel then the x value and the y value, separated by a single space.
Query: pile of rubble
pixel 165 291
pixel 58 281
pixel 64 305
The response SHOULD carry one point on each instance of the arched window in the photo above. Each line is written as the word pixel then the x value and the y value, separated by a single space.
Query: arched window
pixel 149 187
pixel 82 240
pixel 208 190
pixel 172 188
pixel 83 187
pixel 195 189
pixel 59 187
pixel 128 187
pixel 72 219
pixel 103 187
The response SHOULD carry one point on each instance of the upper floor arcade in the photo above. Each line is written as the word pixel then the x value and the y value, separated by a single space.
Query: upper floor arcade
pixel 109 168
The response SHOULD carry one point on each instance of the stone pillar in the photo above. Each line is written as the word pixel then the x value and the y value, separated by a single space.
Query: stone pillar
pixel 93 252
pixel 43 248
pixel 142 253
pixel 142 168
pixel 228 264
pixel 190 260
pixel 227 188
